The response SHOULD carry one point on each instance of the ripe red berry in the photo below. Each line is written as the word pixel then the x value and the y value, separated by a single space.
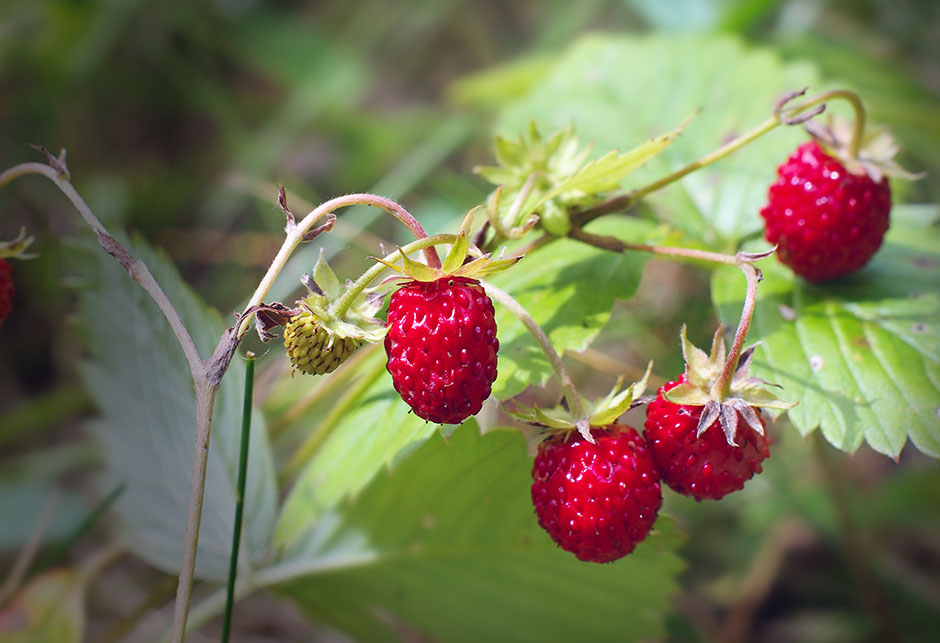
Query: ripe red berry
pixel 598 501
pixel 441 346
pixel 704 467
pixel 6 289
pixel 825 220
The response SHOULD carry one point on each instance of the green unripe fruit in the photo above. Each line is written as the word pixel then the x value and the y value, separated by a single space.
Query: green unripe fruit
pixel 313 349
pixel 555 220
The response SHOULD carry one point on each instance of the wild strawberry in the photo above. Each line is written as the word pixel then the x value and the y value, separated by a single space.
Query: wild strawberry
pixel 596 500
pixel 6 289
pixel 704 430
pixel 828 210
pixel 314 350
pixel 825 220
pixel 442 346
pixel 705 466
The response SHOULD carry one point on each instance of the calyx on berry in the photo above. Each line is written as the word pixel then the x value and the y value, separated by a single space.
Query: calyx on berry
pixel 16 247
pixel 597 413
pixel 318 338
pixel 876 149
pixel 742 392
pixel 455 264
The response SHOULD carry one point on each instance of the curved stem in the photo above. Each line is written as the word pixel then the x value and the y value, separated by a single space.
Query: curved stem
pixel 722 385
pixel 784 115
pixel 571 394
pixel 295 237
pixel 341 305
pixel 742 261
pixel 137 270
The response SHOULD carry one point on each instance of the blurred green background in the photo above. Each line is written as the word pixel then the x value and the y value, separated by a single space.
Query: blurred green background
pixel 180 118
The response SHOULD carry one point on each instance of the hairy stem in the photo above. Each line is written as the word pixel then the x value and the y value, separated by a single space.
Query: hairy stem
pixel 295 237
pixel 341 305
pixel 205 397
pixel 742 261
pixel 571 394
pixel 135 268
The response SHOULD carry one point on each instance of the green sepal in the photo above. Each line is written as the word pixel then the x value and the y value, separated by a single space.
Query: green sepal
pixel 326 279
pixel 699 369
pixel 457 255
pixel 688 393
pixel 616 404
pixel 16 248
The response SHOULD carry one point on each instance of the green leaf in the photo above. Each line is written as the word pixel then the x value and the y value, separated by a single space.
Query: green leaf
pixel 142 386
pixel 606 173
pixel 861 355
pixel 446 547
pixel 569 289
pixel 734 86
pixel 375 429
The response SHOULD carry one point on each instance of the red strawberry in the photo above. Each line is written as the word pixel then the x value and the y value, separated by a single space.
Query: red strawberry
pixel 825 220
pixel 705 467
pixel 441 346
pixel 6 289
pixel 599 500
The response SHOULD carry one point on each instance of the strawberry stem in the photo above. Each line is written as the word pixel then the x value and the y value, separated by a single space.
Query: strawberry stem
pixel 567 385
pixel 341 305
pixel 743 261
pixel 783 115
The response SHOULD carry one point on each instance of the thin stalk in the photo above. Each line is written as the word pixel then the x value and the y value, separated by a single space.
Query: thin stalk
pixel 341 305
pixel 741 261
pixel 782 116
pixel 240 494
pixel 567 385
pixel 137 270
pixel 295 237
pixel 205 397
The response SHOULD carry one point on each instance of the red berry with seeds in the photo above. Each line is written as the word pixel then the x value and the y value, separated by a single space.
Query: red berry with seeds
pixel 826 221
pixel 597 501
pixel 442 346
pixel 704 467
pixel 6 289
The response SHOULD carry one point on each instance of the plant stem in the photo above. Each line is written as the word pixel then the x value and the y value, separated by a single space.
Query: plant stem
pixel 341 305
pixel 567 385
pixel 240 494
pixel 296 234
pixel 135 268
pixel 742 261
pixel 784 115
pixel 205 397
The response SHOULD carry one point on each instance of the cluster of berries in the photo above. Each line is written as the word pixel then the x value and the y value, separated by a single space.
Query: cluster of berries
pixel 596 486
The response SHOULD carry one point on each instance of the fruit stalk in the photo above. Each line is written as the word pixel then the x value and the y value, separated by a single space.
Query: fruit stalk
pixel 567 385
pixel 295 236
pixel 742 261
pixel 342 304
pixel 782 116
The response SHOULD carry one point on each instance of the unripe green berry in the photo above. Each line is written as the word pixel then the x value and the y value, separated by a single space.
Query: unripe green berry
pixel 313 349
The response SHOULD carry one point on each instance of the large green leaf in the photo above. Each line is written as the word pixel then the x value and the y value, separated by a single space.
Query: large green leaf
pixel 141 383
pixel 376 427
pixel 569 289
pixel 608 88
pixel 446 547
pixel 861 355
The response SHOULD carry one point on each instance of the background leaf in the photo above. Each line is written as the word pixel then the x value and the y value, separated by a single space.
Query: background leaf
pixel 862 354
pixel 569 289
pixel 446 547
pixel 607 89
pixel 49 610
pixel 140 381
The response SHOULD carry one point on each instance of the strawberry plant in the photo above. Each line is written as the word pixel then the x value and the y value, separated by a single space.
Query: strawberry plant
pixel 462 483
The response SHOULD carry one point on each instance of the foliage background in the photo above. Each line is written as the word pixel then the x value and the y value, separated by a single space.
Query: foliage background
pixel 179 118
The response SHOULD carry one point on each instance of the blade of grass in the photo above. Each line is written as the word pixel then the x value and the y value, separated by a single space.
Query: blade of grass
pixel 240 496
